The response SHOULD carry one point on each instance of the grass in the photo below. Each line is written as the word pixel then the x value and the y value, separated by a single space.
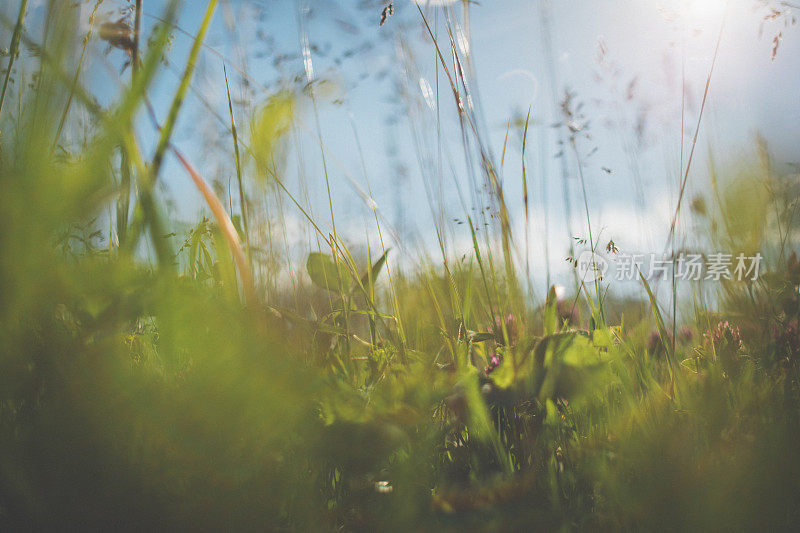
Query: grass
pixel 202 389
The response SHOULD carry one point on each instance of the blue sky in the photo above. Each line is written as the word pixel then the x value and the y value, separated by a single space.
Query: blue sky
pixel 645 45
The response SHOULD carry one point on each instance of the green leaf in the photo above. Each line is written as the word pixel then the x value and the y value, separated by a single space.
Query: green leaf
pixel 371 275
pixel 325 273
pixel 269 125
pixel 572 367
pixel 503 375
pixel 480 418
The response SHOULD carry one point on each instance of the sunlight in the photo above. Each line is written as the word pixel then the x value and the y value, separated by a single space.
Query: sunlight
pixel 399 265
pixel 702 14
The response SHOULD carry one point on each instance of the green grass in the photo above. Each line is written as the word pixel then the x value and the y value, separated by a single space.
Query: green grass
pixel 193 391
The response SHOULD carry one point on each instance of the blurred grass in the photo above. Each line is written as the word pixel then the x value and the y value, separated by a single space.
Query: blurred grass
pixel 178 396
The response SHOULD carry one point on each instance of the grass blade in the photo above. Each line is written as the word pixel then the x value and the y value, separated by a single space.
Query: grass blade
pixel 13 49
pixel 180 94
pixel 225 225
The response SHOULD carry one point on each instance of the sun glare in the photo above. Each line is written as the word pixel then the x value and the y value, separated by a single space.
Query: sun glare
pixel 703 13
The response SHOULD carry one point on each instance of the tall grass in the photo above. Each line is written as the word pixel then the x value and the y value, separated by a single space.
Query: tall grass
pixel 207 388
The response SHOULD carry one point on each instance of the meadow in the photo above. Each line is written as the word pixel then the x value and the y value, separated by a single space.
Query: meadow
pixel 159 374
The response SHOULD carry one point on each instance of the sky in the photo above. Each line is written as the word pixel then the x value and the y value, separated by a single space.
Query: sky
pixel 391 134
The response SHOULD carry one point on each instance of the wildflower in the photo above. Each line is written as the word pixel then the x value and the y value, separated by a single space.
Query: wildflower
pixel 511 330
pixel 654 344
pixel 724 334
pixel 494 362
